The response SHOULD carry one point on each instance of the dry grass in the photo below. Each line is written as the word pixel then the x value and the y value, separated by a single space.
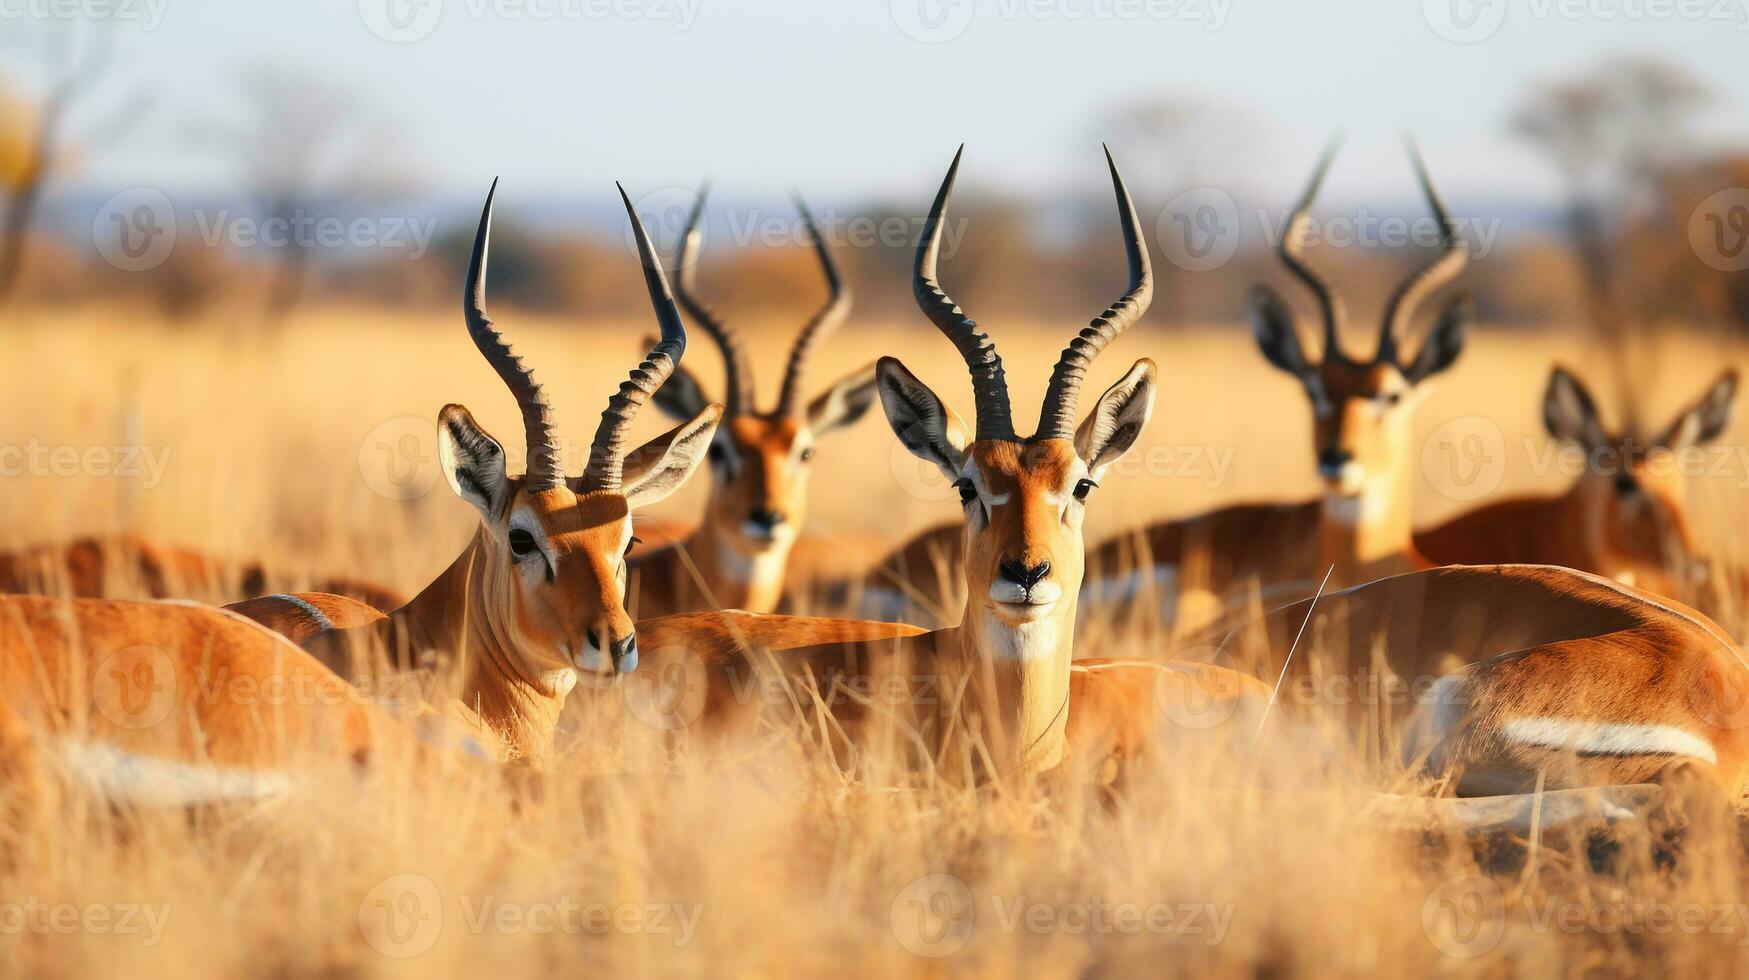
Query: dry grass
pixel 761 858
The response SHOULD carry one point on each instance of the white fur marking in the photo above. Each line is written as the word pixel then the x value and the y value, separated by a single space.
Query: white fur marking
pixel 1609 738
pixel 124 777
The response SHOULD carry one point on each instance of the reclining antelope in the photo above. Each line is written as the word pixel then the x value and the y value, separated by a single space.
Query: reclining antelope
pixel 535 599
pixel 759 461
pixel 1363 413
pixel 999 689
pixel 1625 517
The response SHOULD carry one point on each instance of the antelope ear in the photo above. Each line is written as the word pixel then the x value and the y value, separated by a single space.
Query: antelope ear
pixel 472 461
pixel 1273 325
pixel 1569 413
pixel 1446 341
pixel 1117 419
pixel 1707 418
pixel 662 465
pixel 681 397
pixel 844 403
pixel 929 429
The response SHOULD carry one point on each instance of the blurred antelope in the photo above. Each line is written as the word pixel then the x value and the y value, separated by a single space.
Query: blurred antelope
pixel 760 461
pixel 1002 682
pixel 536 598
pixel 1511 674
pixel 1362 431
pixel 1626 517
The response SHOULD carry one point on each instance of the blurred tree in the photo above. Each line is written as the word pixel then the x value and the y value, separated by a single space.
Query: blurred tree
pixel 1614 134
pixel 305 148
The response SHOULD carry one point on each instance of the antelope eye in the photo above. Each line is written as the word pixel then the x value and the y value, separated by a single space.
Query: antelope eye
pixel 716 455
pixel 808 454
pixel 521 542
pixel 968 493
pixel 1084 488
pixel 1392 398
pixel 633 543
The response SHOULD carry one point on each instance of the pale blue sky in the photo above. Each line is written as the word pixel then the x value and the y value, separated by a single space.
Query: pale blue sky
pixel 836 97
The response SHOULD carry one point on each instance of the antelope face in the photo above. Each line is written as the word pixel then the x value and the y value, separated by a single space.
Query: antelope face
pixel 555 558
pixel 760 463
pixel 1635 491
pixel 1362 413
pixel 1025 501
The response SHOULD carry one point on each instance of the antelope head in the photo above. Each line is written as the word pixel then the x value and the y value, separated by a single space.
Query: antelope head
pixel 1634 491
pixel 761 460
pixel 549 578
pixel 1025 499
pixel 1363 410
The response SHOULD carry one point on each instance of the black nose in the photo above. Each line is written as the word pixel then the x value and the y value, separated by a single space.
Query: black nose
pixel 1624 484
pixel 767 519
pixel 1334 459
pixel 1023 576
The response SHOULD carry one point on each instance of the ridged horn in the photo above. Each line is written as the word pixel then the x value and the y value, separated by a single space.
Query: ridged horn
pixel 989 384
pixel 738 367
pixel 537 415
pixel 1293 256
pixel 607 453
pixel 1057 417
pixel 1408 295
pixel 824 321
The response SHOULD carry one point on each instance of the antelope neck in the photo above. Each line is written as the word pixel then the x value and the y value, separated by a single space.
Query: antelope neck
pixel 739 579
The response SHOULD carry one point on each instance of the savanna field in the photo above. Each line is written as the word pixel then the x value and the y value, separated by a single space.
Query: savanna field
pixel 641 850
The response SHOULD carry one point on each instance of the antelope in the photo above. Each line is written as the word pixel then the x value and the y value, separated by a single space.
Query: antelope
pixel 1363 413
pixel 1004 678
pixel 535 600
pixel 1625 517
pixel 130 566
pixel 1511 675
pixel 759 461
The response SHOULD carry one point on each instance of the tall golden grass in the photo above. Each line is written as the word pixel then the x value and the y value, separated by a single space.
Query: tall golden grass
pixel 674 856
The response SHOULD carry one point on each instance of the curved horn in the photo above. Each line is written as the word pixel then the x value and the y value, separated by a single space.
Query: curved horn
pixel 607 453
pixel 825 320
pixel 989 384
pixel 537 416
pixel 1407 297
pixel 1057 417
pixel 738 380
pixel 1293 256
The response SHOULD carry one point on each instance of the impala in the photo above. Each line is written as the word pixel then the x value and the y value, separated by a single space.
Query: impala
pixel 1363 414
pixel 1511 674
pixel 1004 692
pixel 133 567
pixel 760 461
pixel 534 599
pixel 1624 518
